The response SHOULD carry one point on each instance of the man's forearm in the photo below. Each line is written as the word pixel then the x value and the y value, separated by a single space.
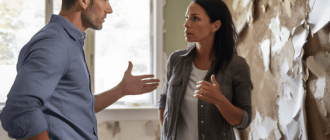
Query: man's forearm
pixel 107 98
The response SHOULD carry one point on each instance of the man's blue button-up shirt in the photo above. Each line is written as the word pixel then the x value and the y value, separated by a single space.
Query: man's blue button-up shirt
pixel 52 89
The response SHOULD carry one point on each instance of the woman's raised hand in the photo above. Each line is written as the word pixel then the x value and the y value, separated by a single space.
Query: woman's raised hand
pixel 209 92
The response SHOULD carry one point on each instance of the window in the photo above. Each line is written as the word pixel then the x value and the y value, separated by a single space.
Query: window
pixel 125 37
pixel 20 20
pixel 131 33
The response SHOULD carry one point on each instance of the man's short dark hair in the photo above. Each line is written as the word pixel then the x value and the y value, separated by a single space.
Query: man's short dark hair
pixel 67 4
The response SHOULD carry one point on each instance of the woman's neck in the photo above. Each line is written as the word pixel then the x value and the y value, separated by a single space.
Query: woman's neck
pixel 204 49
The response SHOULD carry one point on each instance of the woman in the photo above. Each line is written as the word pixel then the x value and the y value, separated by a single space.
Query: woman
pixel 207 90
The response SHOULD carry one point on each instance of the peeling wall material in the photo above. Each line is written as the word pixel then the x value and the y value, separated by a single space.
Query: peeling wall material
pixel 262 127
pixel 280 34
pixel 291 74
pixel 245 10
pixel 319 15
pixel 265 52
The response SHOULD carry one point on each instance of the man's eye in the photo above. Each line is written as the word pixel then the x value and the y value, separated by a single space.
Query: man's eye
pixel 186 18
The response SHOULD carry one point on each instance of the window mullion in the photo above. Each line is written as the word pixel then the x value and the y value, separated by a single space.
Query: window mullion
pixel 49 9
pixel 89 49
pixel 158 45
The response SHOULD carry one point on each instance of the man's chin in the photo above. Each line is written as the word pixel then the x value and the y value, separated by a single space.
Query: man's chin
pixel 97 27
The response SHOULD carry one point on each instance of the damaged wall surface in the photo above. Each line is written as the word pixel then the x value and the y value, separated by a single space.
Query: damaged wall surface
pixel 286 44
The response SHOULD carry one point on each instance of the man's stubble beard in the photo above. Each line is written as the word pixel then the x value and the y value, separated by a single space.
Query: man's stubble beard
pixel 90 19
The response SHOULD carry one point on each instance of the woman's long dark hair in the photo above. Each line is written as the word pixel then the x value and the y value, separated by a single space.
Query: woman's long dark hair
pixel 225 40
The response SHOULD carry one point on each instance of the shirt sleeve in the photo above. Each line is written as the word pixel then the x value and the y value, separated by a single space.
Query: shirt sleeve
pixel 163 95
pixel 40 69
pixel 242 87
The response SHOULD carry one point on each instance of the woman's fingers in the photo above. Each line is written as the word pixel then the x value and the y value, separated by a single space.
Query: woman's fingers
pixel 203 86
pixel 203 96
pixel 214 81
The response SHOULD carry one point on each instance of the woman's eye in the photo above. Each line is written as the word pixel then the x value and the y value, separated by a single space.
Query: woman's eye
pixel 196 19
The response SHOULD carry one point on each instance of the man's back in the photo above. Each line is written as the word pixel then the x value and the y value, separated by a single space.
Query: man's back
pixel 52 88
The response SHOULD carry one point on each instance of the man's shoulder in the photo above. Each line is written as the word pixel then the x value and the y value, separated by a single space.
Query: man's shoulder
pixel 50 31
pixel 48 37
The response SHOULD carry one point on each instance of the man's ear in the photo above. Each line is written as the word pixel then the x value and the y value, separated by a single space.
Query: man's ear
pixel 216 26
pixel 83 4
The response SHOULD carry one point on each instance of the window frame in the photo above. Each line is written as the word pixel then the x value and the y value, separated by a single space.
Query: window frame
pixel 156 43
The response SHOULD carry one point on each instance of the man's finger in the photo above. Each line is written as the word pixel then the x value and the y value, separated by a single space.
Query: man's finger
pixel 146 76
pixel 151 85
pixel 129 68
pixel 148 89
pixel 150 80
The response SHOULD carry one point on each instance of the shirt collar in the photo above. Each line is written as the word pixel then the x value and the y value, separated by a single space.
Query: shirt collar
pixel 72 30
pixel 190 50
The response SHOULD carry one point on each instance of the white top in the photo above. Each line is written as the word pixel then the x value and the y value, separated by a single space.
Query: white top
pixel 188 128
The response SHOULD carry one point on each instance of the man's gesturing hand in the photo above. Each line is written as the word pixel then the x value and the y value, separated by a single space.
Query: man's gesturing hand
pixel 135 85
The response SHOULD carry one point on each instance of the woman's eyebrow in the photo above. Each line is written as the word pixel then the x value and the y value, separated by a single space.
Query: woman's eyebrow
pixel 192 14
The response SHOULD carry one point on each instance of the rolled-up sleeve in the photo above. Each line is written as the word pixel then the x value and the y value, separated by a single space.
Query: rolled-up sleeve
pixel 163 95
pixel 41 66
pixel 242 87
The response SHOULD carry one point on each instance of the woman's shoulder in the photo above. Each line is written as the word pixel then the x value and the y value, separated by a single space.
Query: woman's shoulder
pixel 176 54
pixel 238 63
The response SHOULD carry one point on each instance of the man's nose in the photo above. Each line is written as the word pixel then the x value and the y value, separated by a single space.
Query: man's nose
pixel 108 9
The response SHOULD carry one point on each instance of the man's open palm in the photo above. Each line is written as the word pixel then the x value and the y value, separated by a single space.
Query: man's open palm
pixel 134 85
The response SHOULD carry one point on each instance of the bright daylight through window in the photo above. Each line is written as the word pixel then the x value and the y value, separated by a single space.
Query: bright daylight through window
pixel 125 37
pixel 20 20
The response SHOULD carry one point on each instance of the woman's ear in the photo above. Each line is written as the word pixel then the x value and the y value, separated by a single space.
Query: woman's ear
pixel 83 4
pixel 216 26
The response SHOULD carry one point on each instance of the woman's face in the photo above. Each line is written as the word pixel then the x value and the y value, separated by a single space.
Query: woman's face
pixel 198 26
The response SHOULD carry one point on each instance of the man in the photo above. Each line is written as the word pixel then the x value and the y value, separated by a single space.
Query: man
pixel 51 97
